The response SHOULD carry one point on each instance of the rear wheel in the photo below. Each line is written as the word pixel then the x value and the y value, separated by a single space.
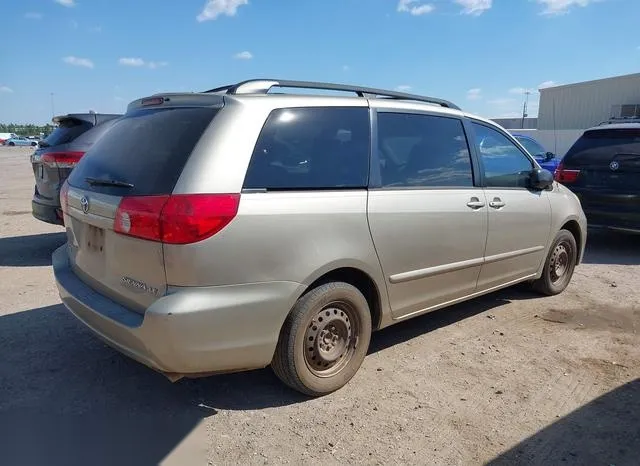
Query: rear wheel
pixel 12 143
pixel 324 339
pixel 559 266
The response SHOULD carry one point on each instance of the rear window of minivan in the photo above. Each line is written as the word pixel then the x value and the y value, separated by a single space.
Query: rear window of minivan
pixel 147 148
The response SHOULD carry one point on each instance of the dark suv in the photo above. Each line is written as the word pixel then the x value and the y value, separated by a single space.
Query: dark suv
pixel 56 156
pixel 603 169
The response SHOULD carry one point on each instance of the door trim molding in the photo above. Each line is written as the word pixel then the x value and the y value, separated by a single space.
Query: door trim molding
pixel 455 266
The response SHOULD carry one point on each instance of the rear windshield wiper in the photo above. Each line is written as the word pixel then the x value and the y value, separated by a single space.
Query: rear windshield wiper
pixel 106 182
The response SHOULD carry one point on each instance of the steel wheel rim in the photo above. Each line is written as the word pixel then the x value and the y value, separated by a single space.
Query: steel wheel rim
pixel 560 263
pixel 331 338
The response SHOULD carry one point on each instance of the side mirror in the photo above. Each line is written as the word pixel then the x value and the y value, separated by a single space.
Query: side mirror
pixel 549 156
pixel 540 179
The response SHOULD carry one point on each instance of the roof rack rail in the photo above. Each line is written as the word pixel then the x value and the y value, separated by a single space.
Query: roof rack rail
pixel 263 86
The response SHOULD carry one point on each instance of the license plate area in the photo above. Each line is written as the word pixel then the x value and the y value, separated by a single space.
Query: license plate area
pixel 94 239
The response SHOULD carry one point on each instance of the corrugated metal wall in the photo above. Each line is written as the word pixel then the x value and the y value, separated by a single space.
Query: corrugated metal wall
pixel 583 105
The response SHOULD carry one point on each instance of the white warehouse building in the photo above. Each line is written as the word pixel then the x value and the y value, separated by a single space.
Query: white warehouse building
pixel 565 111
pixel 583 105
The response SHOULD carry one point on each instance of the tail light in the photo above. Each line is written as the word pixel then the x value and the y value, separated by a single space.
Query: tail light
pixel 64 197
pixel 62 159
pixel 175 219
pixel 562 175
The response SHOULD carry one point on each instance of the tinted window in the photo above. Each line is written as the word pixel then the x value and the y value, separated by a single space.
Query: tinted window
pixel 147 148
pixel 600 146
pixel 532 146
pixel 67 131
pixel 311 148
pixel 422 151
pixel 89 138
pixel 504 164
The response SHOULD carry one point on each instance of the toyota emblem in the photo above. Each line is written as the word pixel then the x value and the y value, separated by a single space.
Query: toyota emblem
pixel 84 203
pixel 614 165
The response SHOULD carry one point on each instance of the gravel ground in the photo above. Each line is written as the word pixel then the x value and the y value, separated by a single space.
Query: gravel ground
pixel 505 379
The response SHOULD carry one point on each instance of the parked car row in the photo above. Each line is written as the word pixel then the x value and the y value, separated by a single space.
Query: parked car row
pixel 20 141
pixel 236 228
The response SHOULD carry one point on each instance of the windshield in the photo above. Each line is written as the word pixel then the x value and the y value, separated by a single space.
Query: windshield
pixel 532 146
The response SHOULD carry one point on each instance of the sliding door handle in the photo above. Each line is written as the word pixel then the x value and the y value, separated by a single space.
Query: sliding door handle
pixel 475 203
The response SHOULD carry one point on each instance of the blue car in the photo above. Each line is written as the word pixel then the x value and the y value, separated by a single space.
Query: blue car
pixel 545 159
pixel 20 141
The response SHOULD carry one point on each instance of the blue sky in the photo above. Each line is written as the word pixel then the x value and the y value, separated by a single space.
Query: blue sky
pixel 481 54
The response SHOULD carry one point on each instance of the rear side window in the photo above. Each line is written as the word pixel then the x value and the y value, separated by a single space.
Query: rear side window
pixel 312 148
pixel 602 145
pixel 67 130
pixel 146 148
pixel 423 151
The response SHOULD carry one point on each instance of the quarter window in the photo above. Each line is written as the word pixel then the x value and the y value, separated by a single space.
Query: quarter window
pixel 312 148
pixel 422 151
pixel 504 164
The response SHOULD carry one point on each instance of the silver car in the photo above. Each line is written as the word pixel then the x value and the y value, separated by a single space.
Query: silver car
pixel 237 228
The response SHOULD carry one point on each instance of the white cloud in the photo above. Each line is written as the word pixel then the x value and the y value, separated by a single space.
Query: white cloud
pixel 246 55
pixel 474 94
pixel 403 88
pixel 518 90
pixel 501 101
pixel 474 7
pixel 75 61
pixel 130 61
pixel 33 15
pixel 559 7
pixel 546 84
pixel 6 89
pixel 137 62
pixel 157 64
pixel 414 8
pixel 510 115
pixel 67 3
pixel 214 8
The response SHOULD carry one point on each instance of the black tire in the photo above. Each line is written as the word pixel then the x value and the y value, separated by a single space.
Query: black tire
pixel 33 144
pixel 324 339
pixel 12 143
pixel 559 265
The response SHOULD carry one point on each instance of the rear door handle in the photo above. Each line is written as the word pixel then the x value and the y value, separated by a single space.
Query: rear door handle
pixel 496 203
pixel 475 203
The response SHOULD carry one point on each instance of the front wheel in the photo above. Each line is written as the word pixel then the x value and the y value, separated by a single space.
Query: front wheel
pixel 12 143
pixel 559 266
pixel 324 339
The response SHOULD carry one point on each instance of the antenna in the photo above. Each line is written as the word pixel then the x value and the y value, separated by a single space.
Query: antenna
pixel 524 107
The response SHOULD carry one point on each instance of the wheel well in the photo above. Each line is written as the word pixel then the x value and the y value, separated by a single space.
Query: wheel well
pixel 362 282
pixel 573 227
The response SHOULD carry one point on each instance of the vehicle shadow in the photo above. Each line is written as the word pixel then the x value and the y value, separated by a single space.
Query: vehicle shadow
pixel 610 247
pixel 30 250
pixel 604 431
pixel 66 398
pixel 412 328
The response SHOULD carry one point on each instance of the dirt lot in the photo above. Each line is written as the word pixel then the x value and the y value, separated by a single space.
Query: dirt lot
pixel 510 378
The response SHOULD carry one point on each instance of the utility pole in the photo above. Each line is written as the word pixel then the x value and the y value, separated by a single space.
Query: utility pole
pixel 524 108
pixel 53 113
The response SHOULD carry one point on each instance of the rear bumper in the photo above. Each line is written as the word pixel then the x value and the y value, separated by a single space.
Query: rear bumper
pixel 614 211
pixel 46 211
pixel 190 331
